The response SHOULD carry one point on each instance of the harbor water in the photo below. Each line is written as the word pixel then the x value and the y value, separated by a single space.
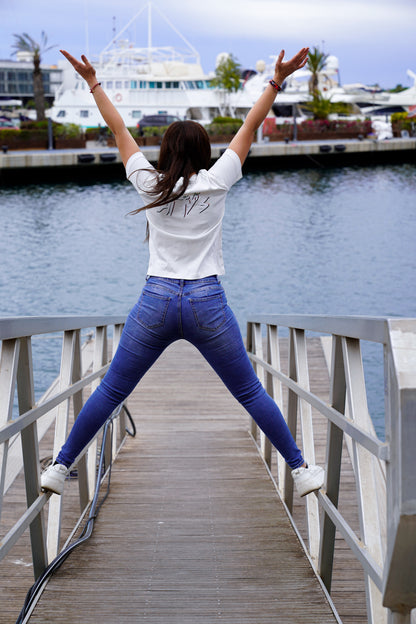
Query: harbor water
pixel 315 241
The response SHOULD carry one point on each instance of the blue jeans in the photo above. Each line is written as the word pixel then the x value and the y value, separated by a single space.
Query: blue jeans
pixel 169 310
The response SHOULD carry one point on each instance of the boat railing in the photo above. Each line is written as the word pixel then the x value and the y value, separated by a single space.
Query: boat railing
pixel 385 542
pixel 24 422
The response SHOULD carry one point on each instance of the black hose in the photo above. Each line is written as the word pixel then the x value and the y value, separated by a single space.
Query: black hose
pixel 89 525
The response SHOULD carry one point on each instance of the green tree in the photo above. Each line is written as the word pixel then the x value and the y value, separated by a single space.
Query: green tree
pixel 316 64
pixel 227 74
pixel 25 43
pixel 228 79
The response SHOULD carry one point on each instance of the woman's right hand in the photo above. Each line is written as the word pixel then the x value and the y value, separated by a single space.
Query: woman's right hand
pixel 84 68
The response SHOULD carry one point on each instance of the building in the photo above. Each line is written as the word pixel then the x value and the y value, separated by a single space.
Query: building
pixel 16 79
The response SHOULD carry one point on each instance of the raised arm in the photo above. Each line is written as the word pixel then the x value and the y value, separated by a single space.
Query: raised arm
pixel 243 139
pixel 124 141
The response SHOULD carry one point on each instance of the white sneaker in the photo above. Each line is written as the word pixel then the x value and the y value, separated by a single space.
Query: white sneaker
pixel 308 479
pixel 53 479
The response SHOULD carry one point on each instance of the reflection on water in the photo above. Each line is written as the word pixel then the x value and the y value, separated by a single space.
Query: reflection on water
pixel 316 241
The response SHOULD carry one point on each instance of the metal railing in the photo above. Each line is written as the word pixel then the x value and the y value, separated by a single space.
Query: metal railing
pixel 384 471
pixel 82 365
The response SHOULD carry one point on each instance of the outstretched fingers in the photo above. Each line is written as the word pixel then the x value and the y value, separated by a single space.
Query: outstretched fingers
pixel 83 67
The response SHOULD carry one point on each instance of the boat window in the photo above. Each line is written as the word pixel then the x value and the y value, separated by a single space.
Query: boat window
pixel 84 113
pixel 143 84
pixel 126 84
pixel 109 84
pixel 136 114
pixel 133 84
pixel 200 84
pixel 190 84
pixel 61 113
pixel 119 84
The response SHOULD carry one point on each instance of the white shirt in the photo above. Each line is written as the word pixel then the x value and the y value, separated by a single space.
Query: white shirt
pixel 185 236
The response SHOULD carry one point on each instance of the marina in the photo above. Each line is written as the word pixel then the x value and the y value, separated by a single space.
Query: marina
pixel 179 509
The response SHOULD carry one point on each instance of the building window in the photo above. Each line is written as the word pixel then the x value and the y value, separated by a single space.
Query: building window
pixel 84 113
pixel 61 113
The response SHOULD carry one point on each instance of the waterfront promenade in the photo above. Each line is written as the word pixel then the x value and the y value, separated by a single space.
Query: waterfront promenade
pixel 53 164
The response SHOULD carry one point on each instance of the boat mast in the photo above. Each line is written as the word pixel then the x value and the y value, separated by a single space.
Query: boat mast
pixel 149 31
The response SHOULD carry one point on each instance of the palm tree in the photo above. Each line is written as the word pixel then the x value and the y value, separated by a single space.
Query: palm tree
pixel 316 63
pixel 25 43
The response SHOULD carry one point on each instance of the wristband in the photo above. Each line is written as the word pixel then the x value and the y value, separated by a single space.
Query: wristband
pixel 275 85
pixel 98 84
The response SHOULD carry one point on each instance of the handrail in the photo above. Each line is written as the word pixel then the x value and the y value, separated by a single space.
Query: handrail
pixel 386 547
pixel 81 366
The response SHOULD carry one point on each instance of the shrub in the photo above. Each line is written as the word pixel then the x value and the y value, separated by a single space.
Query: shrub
pixel 68 131
pixel 224 125
pixel 6 135
pixel 401 121
pixel 134 131
pixel 34 125
pixel 156 131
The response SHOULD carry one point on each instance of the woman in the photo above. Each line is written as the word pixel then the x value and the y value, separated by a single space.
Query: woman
pixel 183 298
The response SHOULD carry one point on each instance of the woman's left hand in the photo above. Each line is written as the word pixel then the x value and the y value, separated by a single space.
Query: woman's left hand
pixel 283 70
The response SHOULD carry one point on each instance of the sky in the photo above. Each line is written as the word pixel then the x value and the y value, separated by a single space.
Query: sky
pixel 374 40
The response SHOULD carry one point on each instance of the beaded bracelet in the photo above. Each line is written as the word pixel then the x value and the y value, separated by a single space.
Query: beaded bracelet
pixel 275 85
pixel 98 84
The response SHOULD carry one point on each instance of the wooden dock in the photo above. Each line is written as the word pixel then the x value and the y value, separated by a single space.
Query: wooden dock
pixel 193 530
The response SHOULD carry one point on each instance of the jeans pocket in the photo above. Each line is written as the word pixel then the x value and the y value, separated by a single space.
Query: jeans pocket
pixel 152 309
pixel 209 312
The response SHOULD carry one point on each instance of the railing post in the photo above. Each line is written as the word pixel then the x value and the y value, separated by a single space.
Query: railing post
pixel 292 415
pixel 363 463
pixel 100 358
pixel 274 389
pixel 308 446
pixel 61 429
pixel 333 461
pixel 30 449
pixel 118 329
pixel 77 403
pixel 399 593
pixel 8 372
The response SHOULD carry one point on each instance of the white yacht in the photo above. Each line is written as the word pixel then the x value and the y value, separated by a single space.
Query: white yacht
pixel 146 81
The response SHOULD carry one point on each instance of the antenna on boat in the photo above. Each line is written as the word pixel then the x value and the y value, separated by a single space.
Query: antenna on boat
pixel 177 32
pixel 149 30
pixel 87 37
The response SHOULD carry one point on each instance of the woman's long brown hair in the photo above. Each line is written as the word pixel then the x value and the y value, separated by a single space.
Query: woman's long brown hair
pixel 185 150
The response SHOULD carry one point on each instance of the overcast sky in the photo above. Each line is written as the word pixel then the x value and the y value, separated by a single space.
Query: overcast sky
pixel 374 40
